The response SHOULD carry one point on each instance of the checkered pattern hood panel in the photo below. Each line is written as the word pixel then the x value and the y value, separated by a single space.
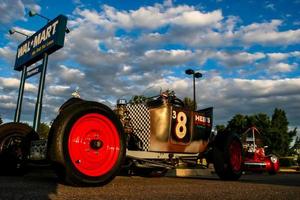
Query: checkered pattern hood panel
pixel 140 122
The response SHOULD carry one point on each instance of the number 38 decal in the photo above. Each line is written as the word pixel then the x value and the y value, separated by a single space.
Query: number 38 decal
pixel 181 121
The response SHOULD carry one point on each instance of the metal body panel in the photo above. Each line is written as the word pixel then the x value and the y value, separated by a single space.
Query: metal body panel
pixel 140 123
pixel 175 130
pixel 160 126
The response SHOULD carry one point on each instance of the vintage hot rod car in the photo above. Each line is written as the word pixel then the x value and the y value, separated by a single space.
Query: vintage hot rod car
pixel 255 159
pixel 89 143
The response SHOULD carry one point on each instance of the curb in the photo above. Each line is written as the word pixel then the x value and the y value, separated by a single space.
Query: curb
pixel 288 171
pixel 190 172
pixel 186 172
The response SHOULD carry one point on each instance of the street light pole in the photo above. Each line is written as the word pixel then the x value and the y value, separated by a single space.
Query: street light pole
pixel 12 31
pixel 33 13
pixel 195 75
pixel 194 92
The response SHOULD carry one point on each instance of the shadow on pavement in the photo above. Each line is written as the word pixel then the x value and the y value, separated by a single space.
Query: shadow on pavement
pixel 283 179
pixel 278 179
pixel 36 184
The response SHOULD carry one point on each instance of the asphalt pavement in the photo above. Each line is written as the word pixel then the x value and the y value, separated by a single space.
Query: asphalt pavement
pixel 43 184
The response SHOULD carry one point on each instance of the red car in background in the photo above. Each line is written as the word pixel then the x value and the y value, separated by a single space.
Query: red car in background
pixel 255 159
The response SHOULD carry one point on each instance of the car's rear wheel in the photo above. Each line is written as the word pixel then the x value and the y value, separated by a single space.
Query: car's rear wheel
pixel 227 157
pixel 87 144
pixel 15 142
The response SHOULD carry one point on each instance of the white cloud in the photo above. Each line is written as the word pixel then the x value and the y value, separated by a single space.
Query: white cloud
pixel 8 105
pixel 282 67
pixel 173 57
pixel 12 10
pixel 268 34
pixel 198 19
pixel 70 74
pixel 233 59
pixel 5 98
pixel 153 17
pixel 14 83
pixel 90 16
pixel 278 56
pixel 7 53
pixel 58 89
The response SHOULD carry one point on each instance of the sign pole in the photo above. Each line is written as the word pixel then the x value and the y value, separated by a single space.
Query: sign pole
pixel 38 106
pixel 37 47
pixel 20 95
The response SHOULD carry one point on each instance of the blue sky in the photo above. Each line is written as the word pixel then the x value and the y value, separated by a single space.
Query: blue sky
pixel 248 52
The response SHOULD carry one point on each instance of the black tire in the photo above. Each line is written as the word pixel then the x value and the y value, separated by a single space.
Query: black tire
pixel 61 156
pixel 69 102
pixel 228 160
pixel 15 142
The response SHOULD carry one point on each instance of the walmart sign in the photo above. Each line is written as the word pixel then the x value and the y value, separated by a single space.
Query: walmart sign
pixel 47 40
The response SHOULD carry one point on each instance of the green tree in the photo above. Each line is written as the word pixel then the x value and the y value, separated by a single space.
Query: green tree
pixel 189 103
pixel 220 127
pixel 1 121
pixel 43 130
pixel 279 120
pixel 137 99
pixel 279 126
pixel 262 122
pixel 274 131
pixel 295 150
pixel 238 124
pixel 291 136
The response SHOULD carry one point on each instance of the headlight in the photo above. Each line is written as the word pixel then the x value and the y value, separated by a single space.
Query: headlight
pixel 273 159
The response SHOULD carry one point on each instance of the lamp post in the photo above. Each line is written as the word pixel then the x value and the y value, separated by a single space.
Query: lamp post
pixel 12 31
pixel 22 82
pixel 33 13
pixel 195 75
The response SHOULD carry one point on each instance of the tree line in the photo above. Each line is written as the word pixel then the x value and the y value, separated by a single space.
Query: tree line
pixel 274 130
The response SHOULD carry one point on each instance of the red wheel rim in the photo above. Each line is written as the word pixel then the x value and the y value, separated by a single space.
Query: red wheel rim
pixel 235 155
pixel 94 144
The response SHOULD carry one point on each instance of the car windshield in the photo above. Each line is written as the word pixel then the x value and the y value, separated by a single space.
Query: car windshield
pixel 252 136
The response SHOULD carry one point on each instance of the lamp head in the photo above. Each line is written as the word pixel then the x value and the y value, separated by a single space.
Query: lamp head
pixel 189 71
pixel 32 13
pixel 67 30
pixel 198 75
pixel 11 31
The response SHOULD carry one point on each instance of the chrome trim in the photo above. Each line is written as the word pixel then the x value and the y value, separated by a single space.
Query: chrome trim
pixel 155 155
pixel 256 164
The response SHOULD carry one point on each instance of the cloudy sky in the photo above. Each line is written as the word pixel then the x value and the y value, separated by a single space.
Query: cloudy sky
pixel 248 52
